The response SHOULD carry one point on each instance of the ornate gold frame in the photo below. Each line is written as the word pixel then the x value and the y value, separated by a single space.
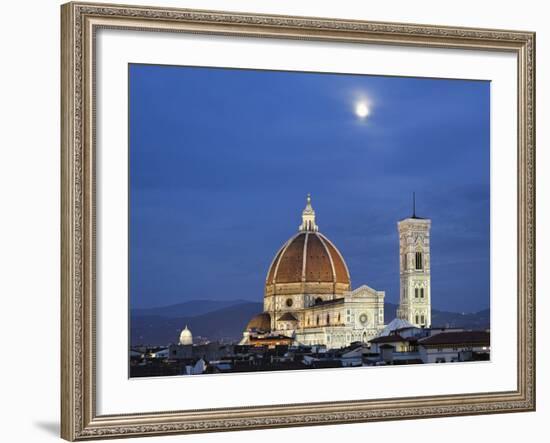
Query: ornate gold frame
pixel 79 420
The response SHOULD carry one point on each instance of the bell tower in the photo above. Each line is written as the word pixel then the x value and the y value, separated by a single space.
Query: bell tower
pixel 414 270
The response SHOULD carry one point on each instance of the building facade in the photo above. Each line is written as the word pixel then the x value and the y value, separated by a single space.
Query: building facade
pixel 309 298
pixel 455 346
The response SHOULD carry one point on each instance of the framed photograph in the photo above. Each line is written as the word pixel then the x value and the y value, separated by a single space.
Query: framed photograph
pixel 277 221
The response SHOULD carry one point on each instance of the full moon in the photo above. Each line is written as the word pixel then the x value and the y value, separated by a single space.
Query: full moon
pixel 362 110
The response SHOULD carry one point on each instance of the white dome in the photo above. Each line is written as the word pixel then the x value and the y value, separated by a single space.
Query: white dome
pixel 186 338
pixel 394 325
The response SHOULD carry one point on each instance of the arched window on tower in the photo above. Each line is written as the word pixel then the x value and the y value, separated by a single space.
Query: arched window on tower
pixel 415 292
pixel 328 319
pixel 421 292
pixel 416 318
pixel 418 260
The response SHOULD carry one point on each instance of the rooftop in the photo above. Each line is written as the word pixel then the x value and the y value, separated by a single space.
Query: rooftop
pixel 287 316
pixel 457 338
pixel 389 339
pixel 329 302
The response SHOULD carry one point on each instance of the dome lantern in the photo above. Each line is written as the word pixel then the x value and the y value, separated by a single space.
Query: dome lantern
pixel 308 218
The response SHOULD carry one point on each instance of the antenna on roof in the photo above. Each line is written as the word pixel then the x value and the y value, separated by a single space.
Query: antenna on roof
pixel 414 205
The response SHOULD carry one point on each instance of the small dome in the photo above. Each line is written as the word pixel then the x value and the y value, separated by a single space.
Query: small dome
pixel 260 323
pixel 186 338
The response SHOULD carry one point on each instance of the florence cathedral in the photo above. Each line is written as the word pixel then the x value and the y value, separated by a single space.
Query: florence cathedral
pixel 309 299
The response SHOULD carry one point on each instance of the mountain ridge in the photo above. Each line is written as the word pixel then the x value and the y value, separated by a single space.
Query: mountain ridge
pixel 188 308
pixel 162 325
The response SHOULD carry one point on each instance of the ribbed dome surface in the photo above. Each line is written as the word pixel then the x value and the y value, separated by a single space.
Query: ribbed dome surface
pixel 308 257
pixel 260 323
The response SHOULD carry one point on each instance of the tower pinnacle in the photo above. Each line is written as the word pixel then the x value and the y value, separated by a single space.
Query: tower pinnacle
pixel 308 217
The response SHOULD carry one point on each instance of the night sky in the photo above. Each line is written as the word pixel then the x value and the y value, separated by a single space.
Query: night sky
pixel 221 161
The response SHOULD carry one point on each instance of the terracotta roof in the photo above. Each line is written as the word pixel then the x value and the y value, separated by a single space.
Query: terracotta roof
pixel 322 261
pixel 458 338
pixel 287 316
pixel 342 273
pixel 388 339
pixel 318 266
pixel 260 322
pixel 289 266
pixel 334 301
pixel 273 266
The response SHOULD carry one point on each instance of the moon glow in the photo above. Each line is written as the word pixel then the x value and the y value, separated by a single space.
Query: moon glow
pixel 361 110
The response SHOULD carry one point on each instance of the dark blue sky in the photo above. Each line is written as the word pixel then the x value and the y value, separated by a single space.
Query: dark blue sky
pixel 221 161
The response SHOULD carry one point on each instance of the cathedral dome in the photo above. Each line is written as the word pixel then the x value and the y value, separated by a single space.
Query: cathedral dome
pixel 260 323
pixel 186 338
pixel 308 263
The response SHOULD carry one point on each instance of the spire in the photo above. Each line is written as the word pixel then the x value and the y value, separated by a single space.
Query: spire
pixel 414 216
pixel 308 217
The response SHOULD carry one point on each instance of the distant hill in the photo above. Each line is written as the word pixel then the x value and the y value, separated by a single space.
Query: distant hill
pixel 227 323
pixel 187 309
pixel 476 320
pixel 217 320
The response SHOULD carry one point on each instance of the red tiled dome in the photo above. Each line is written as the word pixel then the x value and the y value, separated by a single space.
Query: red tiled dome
pixel 308 257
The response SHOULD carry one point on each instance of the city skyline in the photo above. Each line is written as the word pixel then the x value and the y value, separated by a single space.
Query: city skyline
pixel 217 204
